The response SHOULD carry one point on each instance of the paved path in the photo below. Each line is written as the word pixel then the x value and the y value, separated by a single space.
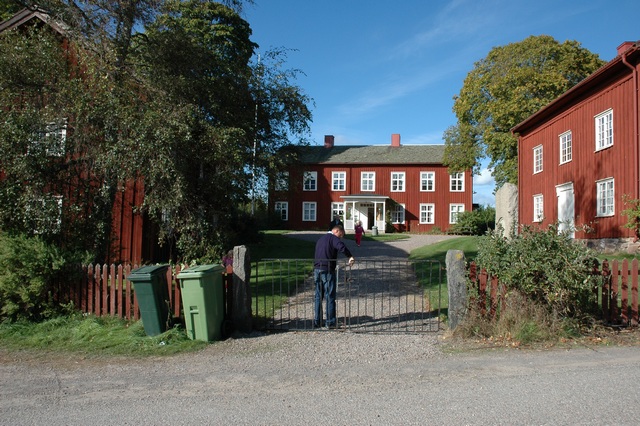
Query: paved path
pixel 379 249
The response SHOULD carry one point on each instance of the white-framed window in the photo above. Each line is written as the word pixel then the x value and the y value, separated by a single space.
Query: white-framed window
pixel 339 181
pixel 45 214
pixel 337 209
pixel 537 159
pixel 427 213
pixel 368 181
pixel 454 211
pixel 310 181
pixel 309 211
pixel 397 181
pixel 566 147
pixel 605 197
pixel 456 182
pixel 538 208
pixel 427 181
pixel 52 139
pixel 397 214
pixel 282 210
pixel 604 130
pixel 281 181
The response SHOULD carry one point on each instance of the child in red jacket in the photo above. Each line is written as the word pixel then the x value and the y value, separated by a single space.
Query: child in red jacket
pixel 359 232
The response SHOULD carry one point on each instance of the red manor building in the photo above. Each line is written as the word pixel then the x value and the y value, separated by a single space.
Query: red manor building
pixel 406 188
pixel 579 155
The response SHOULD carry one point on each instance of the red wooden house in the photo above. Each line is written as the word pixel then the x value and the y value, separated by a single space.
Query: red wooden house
pixel 406 188
pixel 133 237
pixel 579 155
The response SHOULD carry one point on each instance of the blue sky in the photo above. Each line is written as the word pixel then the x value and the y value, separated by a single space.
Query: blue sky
pixel 378 67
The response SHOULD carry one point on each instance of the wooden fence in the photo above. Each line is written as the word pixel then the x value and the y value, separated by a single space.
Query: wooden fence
pixel 615 297
pixel 104 290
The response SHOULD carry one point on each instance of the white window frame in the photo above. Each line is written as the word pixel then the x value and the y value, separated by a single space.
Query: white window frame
pixel 604 129
pixel 53 139
pixel 283 208
pixel 339 181
pixel 337 209
pixel 398 214
pixel 281 181
pixel 566 147
pixel 456 182
pixel 454 210
pixel 309 211
pixel 310 181
pixel 427 181
pixel 398 181
pixel 538 208
pixel 605 197
pixel 367 181
pixel 537 159
pixel 427 213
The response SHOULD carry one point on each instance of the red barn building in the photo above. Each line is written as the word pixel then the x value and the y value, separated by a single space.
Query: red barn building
pixel 579 156
pixel 406 188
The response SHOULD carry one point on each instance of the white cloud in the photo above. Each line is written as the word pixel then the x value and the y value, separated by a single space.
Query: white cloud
pixel 484 178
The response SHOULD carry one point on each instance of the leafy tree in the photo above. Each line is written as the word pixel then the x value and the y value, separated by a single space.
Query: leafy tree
pixel 475 222
pixel 180 106
pixel 8 8
pixel 508 85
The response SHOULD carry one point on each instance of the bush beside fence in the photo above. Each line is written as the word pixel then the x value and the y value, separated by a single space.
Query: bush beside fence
pixel 615 298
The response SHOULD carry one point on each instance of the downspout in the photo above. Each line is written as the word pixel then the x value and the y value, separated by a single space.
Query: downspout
pixel 636 146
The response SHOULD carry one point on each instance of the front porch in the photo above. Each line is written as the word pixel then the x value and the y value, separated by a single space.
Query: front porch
pixel 369 209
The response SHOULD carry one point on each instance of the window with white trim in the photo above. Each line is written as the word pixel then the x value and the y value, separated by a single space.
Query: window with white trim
pixel 397 214
pixel 339 181
pixel 427 213
pixel 337 209
pixel 605 197
pixel 427 181
pixel 45 214
pixel 397 181
pixel 604 130
pixel 456 182
pixel 52 139
pixel 309 211
pixel 282 210
pixel 538 208
pixel 454 211
pixel 310 181
pixel 537 159
pixel 566 148
pixel 281 181
pixel 367 181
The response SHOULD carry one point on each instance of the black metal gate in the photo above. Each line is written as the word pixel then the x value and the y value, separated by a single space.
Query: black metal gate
pixel 391 295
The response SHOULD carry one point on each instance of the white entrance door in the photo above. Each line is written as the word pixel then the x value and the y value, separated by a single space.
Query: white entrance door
pixel 566 208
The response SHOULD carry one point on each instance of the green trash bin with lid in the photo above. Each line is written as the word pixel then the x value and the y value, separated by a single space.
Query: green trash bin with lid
pixel 150 288
pixel 202 293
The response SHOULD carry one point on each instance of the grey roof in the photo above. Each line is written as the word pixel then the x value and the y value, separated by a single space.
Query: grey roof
pixel 373 154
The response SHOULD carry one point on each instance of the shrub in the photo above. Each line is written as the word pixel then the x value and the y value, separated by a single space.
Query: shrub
pixel 476 222
pixel 545 266
pixel 29 270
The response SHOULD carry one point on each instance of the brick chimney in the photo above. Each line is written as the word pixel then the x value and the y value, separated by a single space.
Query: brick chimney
pixel 395 139
pixel 625 46
pixel 328 141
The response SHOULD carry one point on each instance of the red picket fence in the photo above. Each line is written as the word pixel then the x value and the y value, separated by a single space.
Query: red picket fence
pixel 616 297
pixel 103 290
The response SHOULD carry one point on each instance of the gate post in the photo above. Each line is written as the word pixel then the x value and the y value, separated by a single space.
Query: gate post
pixel 241 311
pixel 457 287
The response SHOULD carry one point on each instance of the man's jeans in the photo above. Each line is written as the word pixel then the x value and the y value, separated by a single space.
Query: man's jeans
pixel 325 287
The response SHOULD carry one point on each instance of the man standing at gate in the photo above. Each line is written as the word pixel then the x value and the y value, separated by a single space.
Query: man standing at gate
pixel 324 273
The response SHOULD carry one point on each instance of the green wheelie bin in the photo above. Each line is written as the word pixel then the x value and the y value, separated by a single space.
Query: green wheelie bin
pixel 150 288
pixel 202 293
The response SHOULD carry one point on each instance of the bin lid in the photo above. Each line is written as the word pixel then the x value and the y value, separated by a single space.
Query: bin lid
pixel 146 272
pixel 200 271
